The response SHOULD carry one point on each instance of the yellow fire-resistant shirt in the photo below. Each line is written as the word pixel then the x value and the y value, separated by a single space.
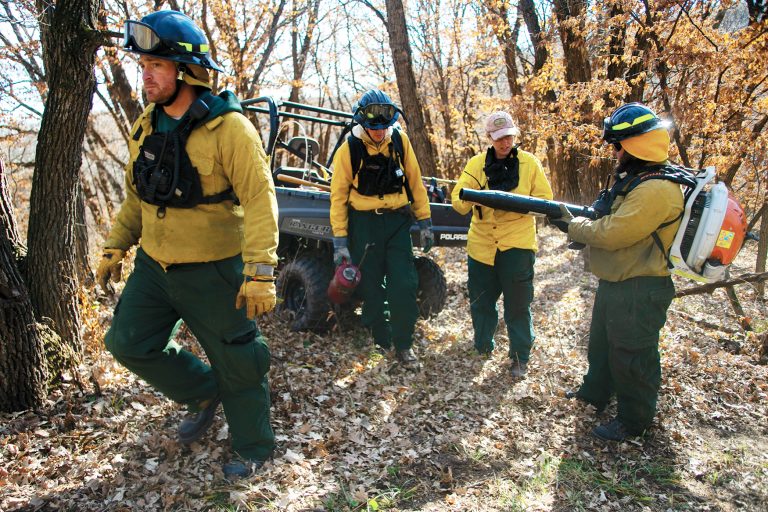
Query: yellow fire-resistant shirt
pixel 499 229
pixel 343 188
pixel 620 244
pixel 227 152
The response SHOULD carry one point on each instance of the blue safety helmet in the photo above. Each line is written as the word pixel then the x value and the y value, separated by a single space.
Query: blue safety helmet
pixel 169 35
pixel 630 120
pixel 375 111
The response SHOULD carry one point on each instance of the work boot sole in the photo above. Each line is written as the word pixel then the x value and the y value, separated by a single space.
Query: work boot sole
pixel 208 414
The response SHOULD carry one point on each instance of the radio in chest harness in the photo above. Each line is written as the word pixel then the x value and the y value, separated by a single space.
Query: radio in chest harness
pixel 378 174
pixel 164 175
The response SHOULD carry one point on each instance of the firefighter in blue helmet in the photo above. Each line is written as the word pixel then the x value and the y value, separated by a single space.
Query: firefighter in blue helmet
pixel 635 287
pixel 376 192
pixel 201 258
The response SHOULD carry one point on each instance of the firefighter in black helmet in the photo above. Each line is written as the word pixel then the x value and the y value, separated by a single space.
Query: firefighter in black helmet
pixel 635 287
pixel 201 205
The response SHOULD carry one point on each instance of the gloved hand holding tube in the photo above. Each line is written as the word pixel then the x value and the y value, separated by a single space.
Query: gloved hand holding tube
pixel 559 214
pixel 564 221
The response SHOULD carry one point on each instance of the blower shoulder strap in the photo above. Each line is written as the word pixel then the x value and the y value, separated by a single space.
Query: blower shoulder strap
pixel 672 173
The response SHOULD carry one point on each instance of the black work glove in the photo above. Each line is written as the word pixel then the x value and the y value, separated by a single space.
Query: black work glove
pixel 564 221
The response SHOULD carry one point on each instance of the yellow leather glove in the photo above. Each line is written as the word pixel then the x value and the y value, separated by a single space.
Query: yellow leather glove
pixel 110 266
pixel 258 294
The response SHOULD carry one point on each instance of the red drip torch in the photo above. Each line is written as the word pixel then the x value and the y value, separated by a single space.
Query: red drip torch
pixel 345 280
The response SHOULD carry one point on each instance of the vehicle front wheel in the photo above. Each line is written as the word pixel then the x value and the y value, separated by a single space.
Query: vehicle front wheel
pixel 303 286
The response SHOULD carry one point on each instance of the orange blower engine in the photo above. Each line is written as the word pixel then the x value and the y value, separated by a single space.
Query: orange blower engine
pixel 344 282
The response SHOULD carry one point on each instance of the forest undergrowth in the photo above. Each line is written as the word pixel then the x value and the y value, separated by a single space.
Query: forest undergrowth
pixel 356 432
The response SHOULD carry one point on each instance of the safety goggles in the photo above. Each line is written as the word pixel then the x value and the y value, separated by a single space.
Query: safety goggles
pixel 378 113
pixel 139 36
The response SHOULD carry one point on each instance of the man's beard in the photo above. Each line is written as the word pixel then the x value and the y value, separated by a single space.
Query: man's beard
pixel 628 164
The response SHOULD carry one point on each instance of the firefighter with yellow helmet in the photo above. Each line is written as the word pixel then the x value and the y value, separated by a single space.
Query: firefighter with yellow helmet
pixel 635 288
pixel 201 205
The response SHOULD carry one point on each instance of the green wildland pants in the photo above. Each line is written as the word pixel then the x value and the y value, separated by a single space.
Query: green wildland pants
pixel 389 279
pixel 623 350
pixel 512 275
pixel 146 318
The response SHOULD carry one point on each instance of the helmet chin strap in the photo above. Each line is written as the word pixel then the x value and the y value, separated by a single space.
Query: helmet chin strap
pixel 177 86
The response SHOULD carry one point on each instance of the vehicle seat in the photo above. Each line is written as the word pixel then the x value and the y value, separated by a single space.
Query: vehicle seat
pixel 304 147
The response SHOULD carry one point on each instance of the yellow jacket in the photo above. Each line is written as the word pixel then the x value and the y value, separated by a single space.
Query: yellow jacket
pixel 620 244
pixel 343 196
pixel 499 229
pixel 227 152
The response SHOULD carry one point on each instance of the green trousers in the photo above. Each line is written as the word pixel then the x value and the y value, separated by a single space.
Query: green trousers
pixel 150 310
pixel 512 275
pixel 389 279
pixel 623 350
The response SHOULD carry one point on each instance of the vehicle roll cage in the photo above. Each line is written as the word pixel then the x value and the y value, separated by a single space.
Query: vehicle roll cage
pixel 277 110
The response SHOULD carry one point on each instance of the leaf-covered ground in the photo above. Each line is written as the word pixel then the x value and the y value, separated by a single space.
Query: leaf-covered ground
pixel 359 433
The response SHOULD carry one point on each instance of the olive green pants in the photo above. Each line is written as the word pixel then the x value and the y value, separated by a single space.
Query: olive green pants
pixel 389 279
pixel 512 275
pixel 150 310
pixel 623 350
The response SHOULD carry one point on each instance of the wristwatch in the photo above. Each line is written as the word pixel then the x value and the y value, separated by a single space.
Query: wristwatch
pixel 265 270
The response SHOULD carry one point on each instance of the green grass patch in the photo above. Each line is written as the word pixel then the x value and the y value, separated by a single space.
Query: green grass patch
pixel 385 499
pixel 514 497
pixel 639 481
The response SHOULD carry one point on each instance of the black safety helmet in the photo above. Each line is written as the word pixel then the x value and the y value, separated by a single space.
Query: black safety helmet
pixel 169 35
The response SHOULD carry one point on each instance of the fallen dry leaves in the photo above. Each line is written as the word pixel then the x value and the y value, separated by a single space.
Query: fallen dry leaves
pixel 358 433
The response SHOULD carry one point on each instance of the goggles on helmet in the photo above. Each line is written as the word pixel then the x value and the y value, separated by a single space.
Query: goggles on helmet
pixel 378 113
pixel 141 37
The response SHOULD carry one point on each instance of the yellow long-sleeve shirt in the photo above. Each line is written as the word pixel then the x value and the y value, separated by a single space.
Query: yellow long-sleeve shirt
pixel 498 229
pixel 343 186
pixel 227 152
pixel 620 244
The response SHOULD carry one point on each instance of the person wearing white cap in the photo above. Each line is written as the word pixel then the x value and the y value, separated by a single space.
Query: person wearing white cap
pixel 501 245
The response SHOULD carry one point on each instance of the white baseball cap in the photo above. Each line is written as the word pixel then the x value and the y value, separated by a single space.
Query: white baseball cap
pixel 500 124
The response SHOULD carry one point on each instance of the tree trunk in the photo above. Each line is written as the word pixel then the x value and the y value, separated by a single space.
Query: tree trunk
pixel 22 361
pixel 69 49
pixel 762 250
pixel 406 84
pixel 300 52
pixel 82 265
pixel 541 53
pixel 506 35
pixel 572 176
pixel 571 18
